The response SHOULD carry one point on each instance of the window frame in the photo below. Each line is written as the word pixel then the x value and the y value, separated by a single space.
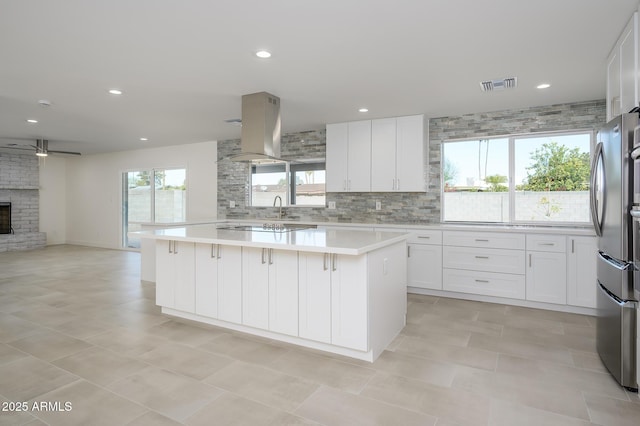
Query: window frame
pixel 511 177
pixel 290 170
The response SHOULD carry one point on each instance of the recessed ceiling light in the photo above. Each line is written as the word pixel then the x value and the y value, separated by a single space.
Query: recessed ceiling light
pixel 32 120
pixel 543 86
pixel 263 54
pixel 363 110
pixel 144 139
pixel 115 91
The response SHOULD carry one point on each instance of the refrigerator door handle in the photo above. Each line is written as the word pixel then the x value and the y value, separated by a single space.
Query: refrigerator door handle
pixel 622 266
pixel 596 174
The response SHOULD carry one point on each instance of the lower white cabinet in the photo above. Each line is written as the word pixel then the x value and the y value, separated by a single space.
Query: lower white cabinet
pixel 424 260
pixel 175 275
pixel 219 282
pixel 582 284
pixel 546 268
pixel 269 289
pixel 333 299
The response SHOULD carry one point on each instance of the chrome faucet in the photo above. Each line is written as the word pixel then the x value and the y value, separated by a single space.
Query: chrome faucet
pixel 274 204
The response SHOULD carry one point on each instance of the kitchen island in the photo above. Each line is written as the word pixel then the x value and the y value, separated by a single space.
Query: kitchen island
pixel 341 291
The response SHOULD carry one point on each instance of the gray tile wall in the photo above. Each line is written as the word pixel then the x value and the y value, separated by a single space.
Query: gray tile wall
pixel 400 208
pixel 19 183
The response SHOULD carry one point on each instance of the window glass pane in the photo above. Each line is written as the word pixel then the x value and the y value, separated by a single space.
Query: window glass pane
pixel 267 182
pixel 137 205
pixel 309 188
pixel 552 178
pixel 170 195
pixel 475 177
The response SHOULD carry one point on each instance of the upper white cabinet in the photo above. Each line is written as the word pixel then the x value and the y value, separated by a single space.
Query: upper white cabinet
pixel 348 162
pixel 622 71
pixel 397 154
pixel 383 155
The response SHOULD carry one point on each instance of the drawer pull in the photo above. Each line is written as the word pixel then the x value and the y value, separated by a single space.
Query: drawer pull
pixel 482 281
pixel 482 240
pixel 423 237
pixel 482 257
pixel 547 244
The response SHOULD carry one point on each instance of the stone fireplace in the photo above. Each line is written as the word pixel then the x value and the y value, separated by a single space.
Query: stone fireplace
pixel 20 203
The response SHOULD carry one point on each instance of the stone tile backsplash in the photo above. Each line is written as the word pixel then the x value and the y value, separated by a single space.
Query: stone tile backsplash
pixel 397 208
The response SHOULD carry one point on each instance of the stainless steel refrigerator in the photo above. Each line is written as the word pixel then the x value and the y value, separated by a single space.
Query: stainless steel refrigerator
pixel 612 172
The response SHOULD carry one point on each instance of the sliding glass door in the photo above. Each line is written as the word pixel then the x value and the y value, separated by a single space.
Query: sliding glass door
pixel 155 196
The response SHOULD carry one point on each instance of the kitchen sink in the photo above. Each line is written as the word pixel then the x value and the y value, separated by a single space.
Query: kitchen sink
pixel 269 227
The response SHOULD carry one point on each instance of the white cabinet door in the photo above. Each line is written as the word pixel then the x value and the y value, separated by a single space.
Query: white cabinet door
pixel 410 154
pixel 283 291
pixel 175 275
pixel 255 287
pixel 185 283
pixel 582 284
pixel 383 155
pixel 230 284
pixel 314 297
pixel 359 156
pixel 424 266
pixel 336 157
pixel 628 70
pixel 349 302
pixel 546 277
pixel 207 280
pixel 165 273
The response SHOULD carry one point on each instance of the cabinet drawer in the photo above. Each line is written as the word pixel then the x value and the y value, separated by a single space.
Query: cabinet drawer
pixel 424 237
pixel 488 260
pixel 550 243
pixel 485 283
pixel 484 239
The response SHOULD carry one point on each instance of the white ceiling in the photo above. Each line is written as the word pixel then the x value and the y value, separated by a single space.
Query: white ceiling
pixel 184 65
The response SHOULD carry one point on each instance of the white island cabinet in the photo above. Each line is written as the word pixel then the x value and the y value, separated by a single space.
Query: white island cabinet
pixel 341 291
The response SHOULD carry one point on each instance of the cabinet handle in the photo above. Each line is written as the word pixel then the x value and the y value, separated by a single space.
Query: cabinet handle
pixel 175 247
pixel 349 184
pixel 529 260
pixel 482 240
pixel 573 243
pixel 482 281
pixel 482 257
pixel 219 251
pixel 213 251
pixel 344 184
pixel 270 256
pixel 325 262
pixel 263 261
pixel 398 184
pixel 423 237
pixel 170 246
pixel 334 262
pixel 547 244
pixel 408 251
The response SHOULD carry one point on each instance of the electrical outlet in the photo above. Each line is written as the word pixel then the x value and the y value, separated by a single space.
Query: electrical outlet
pixel 378 205
pixel 232 204
pixel 332 205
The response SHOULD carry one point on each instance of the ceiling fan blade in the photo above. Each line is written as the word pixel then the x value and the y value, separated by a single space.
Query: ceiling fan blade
pixel 63 152
pixel 18 147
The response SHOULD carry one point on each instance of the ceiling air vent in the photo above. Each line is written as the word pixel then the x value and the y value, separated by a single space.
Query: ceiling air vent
pixel 501 84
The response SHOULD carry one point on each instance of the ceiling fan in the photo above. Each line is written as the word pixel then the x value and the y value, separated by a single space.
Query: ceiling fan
pixel 41 148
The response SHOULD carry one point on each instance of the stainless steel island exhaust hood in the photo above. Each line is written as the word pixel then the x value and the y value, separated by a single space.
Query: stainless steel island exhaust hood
pixel 260 140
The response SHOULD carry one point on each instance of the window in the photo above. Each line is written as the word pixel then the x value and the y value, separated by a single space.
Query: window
pixel 532 178
pixel 296 184
pixel 164 201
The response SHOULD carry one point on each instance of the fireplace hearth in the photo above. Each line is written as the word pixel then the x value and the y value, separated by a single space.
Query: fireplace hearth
pixel 5 218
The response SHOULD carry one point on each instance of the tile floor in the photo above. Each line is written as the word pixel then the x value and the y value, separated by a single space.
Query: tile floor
pixel 78 326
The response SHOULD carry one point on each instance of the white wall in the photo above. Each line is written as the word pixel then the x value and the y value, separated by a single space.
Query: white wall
pixel 53 199
pixel 94 189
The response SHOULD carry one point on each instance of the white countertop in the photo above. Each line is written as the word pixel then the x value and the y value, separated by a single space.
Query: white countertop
pixel 321 240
